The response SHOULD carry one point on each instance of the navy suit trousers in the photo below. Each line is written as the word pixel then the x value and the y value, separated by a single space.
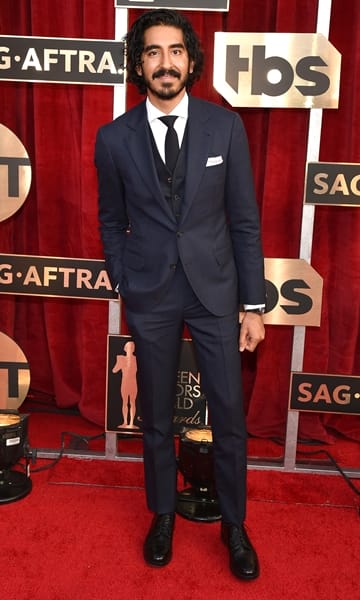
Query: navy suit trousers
pixel 157 336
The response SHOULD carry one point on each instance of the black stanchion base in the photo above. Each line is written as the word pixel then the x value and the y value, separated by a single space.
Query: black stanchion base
pixel 197 505
pixel 14 486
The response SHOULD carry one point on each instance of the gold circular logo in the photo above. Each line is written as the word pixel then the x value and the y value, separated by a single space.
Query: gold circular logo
pixel 14 374
pixel 15 173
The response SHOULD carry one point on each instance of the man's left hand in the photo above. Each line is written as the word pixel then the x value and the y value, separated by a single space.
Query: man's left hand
pixel 252 331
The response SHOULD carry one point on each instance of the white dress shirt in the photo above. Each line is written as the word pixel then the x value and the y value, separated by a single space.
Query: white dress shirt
pixel 159 128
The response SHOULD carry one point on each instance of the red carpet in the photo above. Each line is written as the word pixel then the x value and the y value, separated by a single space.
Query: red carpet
pixel 79 534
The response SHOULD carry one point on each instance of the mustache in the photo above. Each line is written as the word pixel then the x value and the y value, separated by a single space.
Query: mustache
pixel 162 72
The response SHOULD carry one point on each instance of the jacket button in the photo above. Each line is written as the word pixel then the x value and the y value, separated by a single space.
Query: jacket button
pixel 173 266
pixel 179 233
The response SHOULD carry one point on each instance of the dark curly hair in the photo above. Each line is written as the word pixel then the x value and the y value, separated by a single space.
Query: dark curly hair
pixel 134 44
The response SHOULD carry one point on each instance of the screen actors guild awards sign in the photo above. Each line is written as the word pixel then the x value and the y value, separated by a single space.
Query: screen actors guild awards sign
pixel 279 70
pixel 15 173
pixel 123 413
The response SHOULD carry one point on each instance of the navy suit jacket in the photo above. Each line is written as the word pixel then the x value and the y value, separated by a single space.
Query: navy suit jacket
pixel 217 238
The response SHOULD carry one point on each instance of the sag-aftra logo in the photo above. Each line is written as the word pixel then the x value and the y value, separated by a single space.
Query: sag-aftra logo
pixel 14 374
pixel 289 70
pixel 61 60
pixel 15 173
pixel 311 392
pixel 333 184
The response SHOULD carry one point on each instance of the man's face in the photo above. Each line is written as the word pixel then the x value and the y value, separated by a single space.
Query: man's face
pixel 165 63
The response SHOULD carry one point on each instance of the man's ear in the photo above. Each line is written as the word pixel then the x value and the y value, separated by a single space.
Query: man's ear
pixel 139 70
pixel 191 66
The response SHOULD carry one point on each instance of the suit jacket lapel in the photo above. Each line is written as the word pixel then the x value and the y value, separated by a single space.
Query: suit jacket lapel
pixel 199 138
pixel 140 148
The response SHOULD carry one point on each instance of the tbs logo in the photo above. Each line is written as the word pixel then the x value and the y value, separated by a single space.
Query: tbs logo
pixel 287 70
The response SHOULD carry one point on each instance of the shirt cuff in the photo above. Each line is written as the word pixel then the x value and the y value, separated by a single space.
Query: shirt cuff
pixel 252 306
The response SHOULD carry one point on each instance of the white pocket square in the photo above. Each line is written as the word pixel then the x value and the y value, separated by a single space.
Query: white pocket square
pixel 214 160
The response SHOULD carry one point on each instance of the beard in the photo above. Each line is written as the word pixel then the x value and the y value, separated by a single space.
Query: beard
pixel 168 90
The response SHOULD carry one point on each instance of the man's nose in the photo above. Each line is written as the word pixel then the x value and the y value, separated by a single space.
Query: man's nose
pixel 166 60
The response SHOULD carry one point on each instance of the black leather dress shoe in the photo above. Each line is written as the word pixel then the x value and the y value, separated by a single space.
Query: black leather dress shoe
pixel 158 542
pixel 244 562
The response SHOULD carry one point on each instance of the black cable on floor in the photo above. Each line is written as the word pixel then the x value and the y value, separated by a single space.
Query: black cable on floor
pixel 82 438
pixel 333 461
pixel 281 442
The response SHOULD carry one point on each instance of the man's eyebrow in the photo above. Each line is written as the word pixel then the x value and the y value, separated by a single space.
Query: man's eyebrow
pixel 157 46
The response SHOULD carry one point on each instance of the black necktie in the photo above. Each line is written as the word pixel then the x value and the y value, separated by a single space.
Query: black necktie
pixel 171 142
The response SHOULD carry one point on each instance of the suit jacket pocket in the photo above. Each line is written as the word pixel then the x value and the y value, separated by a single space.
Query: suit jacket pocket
pixel 134 261
pixel 223 255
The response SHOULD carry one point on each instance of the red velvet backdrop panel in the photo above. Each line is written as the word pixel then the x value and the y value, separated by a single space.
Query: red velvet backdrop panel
pixel 65 340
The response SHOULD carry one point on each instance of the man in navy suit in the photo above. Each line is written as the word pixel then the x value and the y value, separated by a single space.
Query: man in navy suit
pixel 182 245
